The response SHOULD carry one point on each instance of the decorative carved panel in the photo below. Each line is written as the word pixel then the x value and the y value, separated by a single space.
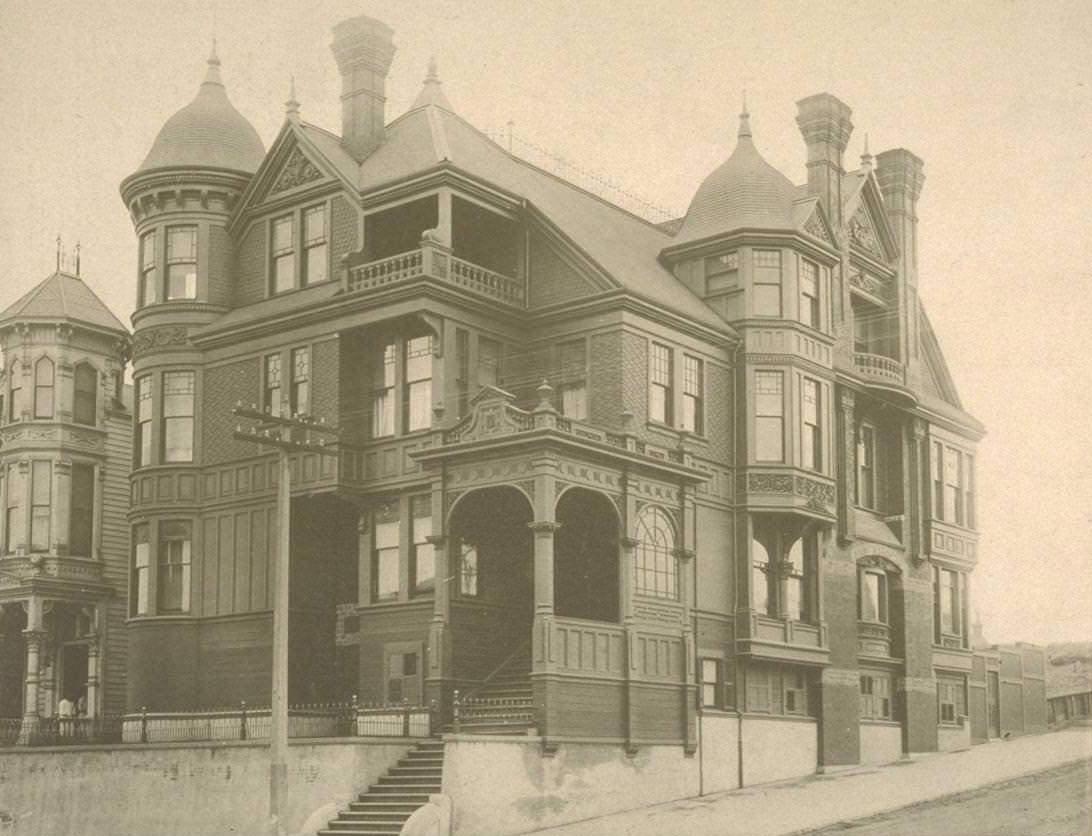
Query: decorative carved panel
pixel 297 171
pixel 863 235
pixel 165 337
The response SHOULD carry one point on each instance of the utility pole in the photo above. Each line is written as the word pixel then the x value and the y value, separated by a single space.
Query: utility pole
pixel 288 434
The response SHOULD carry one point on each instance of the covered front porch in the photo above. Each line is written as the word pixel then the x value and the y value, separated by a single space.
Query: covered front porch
pixel 563 579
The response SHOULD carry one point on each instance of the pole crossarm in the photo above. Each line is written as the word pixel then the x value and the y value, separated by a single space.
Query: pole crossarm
pixel 271 421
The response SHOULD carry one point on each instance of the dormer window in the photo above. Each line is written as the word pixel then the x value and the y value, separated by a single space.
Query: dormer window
pixel 181 263
pixel 809 293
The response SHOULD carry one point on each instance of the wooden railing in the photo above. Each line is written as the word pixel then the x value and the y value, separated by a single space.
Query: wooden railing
pixel 435 261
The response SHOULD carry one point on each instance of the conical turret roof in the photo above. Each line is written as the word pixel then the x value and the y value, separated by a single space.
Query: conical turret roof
pixel 207 133
pixel 744 192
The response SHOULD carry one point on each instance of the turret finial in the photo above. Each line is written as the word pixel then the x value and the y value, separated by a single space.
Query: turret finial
pixel 212 74
pixel 744 119
pixel 292 106
pixel 433 74
pixel 866 158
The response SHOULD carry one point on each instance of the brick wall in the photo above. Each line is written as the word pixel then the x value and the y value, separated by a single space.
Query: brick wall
pixel 344 237
pixel 250 266
pixel 325 363
pixel 219 266
pixel 605 383
pixel 223 386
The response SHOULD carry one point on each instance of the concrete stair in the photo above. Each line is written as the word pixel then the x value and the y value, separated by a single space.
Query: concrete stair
pixel 388 803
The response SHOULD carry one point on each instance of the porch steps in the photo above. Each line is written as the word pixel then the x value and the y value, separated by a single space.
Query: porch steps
pixel 505 703
pixel 389 802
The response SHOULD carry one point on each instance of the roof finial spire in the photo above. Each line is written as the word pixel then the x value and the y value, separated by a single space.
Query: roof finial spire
pixel 744 119
pixel 58 252
pixel 212 74
pixel 432 92
pixel 292 107
pixel 77 258
pixel 433 76
pixel 866 158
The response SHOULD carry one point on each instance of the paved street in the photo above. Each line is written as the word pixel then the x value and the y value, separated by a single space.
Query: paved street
pixel 1013 770
pixel 1057 802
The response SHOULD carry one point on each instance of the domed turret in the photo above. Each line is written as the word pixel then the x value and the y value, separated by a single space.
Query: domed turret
pixel 745 192
pixel 207 133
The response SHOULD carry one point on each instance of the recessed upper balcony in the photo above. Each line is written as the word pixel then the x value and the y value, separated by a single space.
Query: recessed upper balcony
pixel 881 372
pixel 444 238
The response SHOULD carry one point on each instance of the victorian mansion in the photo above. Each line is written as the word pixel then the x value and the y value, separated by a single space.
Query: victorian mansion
pixel 657 473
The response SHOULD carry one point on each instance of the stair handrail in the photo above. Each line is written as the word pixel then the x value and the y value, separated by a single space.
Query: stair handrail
pixel 496 671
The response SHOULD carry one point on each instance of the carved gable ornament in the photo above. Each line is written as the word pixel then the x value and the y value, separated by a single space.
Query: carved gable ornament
pixel 297 171
pixel 492 414
pixel 817 229
pixel 863 234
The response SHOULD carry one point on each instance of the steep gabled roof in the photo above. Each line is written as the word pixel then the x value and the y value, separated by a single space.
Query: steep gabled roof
pixel 63 296
pixel 431 135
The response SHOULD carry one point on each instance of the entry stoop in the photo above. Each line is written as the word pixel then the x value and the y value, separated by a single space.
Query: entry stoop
pixel 386 806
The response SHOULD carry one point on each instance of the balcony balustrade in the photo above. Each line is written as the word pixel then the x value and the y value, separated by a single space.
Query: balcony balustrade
pixel 435 261
pixel 880 368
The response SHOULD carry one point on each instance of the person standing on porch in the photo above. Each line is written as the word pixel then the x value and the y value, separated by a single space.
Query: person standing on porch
pixel 65 711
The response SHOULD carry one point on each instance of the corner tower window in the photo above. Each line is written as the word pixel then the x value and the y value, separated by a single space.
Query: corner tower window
pixel 41 493
pixel 15 401
pixel 767 282
pixel 174 566
pixel 149 275
pixel 138 595
pixel 769 416
pixel 14 530
pixel 85 400
pixel 43 388
pixel 178 397
pixel 809 293
pixel 142 444
pixel 81 510
pixel 181 263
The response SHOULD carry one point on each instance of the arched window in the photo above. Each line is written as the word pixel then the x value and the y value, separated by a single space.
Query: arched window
pixel 15 402
pixel 85 400
pixel 761 574
pixel 655 569
pixel 43 388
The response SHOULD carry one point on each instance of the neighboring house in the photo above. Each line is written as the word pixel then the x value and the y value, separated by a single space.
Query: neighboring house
pixel 66 432
pixel 1069 683
pixel 654 475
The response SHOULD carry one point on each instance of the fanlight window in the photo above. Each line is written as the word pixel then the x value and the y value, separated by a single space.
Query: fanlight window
pixel 655 569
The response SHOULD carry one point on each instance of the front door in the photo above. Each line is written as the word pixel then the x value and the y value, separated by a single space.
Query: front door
pixel 74 675
pixel 993 703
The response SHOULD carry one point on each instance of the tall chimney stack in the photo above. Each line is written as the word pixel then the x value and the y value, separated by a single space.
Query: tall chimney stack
pixel 824 122
pixel 364 50
pixel 900 176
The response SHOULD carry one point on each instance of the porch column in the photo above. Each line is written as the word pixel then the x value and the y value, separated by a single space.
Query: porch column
pixel 34 639
pixel 438 684
pixel 93 678
pixel 99 481
pixel 686 561
pixel 542 631
pixel 544 565
pixel 918 490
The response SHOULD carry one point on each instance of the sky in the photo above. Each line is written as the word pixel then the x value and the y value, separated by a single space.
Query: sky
pixel 993 96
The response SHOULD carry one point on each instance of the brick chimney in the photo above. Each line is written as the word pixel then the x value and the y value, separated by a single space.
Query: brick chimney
pixel 900 175
pixel 824 122
pixel 363 49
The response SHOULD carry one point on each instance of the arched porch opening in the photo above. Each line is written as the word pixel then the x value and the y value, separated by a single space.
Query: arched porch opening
pixel 586 557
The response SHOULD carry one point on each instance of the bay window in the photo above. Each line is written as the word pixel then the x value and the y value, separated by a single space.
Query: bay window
pixel 953 484
pixel 149 273
pixel 418 397
pixel 769 416
pixel 767 282
pixel 142 444
pixel 41 497
pixel 423 559
pixel 181 263
pixel 178 411
pixel 383 382
pixel 660 388
pixel 872 596
pixel 85 394
pixel 43 388
pixel 175 547
pixel 811 412
pixel 139 590
pixel 693 418
pixel 721 272
pixel 15 519
pixel 809 293
pixel 385 553
pixel 950 607
pixel 81 510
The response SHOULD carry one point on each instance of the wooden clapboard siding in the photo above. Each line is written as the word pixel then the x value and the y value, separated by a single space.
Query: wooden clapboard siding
pixel 234 560
pixel 114 490
pixel 583 708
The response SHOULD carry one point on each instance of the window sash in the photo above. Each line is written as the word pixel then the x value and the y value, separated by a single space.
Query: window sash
pixel 15 522
pixel 711 683
pixel 387 563
pixel 81 510
pixel 178 411
pixel 175 544
pixel 574 402
pixel 655 567
pixel 660 384
pixel 148 271
pixel 866 470
pixel 693 395
pixel 811 410
pixel 142 447
pixel 383 391
pixel 15 391
pixel 315 245
pixel 141 570
pixel 489 359
pixel 44 378
pixel 809 293
pixel 272 384
pixel 299 397
pixel 85 395
pixel 424 555
pixel 41 498
pixel 767 283
pixel 873 597
pixel 468 569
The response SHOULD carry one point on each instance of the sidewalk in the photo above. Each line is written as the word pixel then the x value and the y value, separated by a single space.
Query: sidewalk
pixel 820 800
